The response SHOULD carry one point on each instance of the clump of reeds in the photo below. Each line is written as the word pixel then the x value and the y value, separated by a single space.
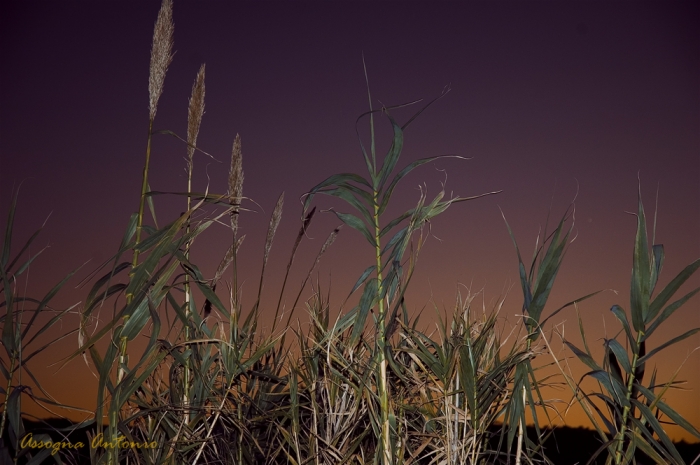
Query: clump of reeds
pixel 633 414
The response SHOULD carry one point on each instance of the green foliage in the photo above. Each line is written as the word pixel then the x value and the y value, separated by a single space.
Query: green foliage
pixel 635 408
pixel 21 342
pixel 385 282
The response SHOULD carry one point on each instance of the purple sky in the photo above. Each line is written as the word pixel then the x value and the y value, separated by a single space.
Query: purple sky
pixel 546 97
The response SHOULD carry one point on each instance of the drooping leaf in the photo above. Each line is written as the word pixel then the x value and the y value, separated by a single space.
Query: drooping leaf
pixel 622 317
pixel 658 430
pixel 333 180
pixel 386 196
pixel 367 301
pixel 346 194
pixel 584 357
pixel 670 412
pixel 620 354
pixel 356 223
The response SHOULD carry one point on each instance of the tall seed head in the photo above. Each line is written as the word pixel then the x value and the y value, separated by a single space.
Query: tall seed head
pixel 161 55
pixel 228 258
pixel 235 182
pixel 194 115
pixel 272 228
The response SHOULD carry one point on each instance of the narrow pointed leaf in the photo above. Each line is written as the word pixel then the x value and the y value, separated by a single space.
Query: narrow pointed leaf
pixel 668 311
pixel 363 278
pixel 367 301
pixel 639 294
pixel 667 344
pixel 671 288
pixel 386 196
pixel 356 223
pixel 392 157
pixel 657 262
pixel 333 180
pixel 622 317
pixel 620 354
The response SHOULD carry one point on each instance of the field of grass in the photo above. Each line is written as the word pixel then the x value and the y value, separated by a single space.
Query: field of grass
pixel 369 386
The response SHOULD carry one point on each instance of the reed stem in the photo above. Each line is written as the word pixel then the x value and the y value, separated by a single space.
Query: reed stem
pixel 383 385
pixel 620 437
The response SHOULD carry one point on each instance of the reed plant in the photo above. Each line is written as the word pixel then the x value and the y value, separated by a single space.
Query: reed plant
pixel 369 197
pixel 536 283
pixel 628 410
pixel 460 385
pixel 22 341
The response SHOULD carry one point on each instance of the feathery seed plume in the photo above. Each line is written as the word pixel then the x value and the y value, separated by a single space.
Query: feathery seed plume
pixel 194 114
pixel 235 182
pixel 272 229
pixel 161 55
pixel 228 258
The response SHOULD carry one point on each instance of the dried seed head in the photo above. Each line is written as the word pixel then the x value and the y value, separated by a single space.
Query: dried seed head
pixel 329 241
pixel 272 229
pixel 235 182
pixel 228 258
pixel 194 115
pixel 161 55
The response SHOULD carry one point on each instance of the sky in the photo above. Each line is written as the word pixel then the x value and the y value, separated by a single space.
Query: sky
pixel 553 102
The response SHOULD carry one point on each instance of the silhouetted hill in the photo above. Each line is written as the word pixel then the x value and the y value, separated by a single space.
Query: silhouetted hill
pixel 565 446
pixel 570 446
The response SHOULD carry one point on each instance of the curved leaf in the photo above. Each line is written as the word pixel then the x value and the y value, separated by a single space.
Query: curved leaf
pixel 620 354
pixel 367 301
pixel 346 194
pixel 620 314
pixel 392 157
pixel 671 288
pixel 363 278
pixel 356 223
pixel 333 180
pixel 401 174
pixel 668 311
pixel 669 412
pixel 667 344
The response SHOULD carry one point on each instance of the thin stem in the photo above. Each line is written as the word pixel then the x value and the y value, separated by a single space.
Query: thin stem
pixel 626 409
pixel 144 190
pixel 7 394
pixel 123 358
pixel 123 346
pixel 188 298
pixel 520 435
pixel 383 385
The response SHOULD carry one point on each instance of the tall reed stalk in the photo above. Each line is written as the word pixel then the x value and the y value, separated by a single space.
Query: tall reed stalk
pixel 161 56
pixel 636 412
pixel 370 198
pixel 194 121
